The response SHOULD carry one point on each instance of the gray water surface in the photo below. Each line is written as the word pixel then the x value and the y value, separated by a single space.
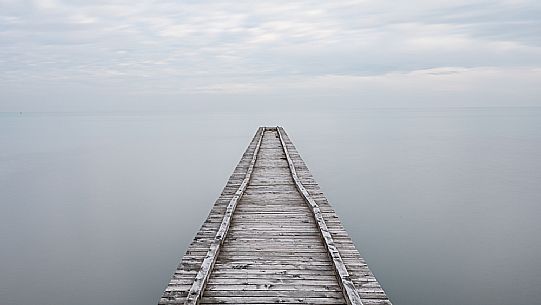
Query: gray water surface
pixel 444 204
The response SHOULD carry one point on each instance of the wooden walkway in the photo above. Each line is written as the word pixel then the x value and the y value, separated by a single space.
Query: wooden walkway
pixel 271 238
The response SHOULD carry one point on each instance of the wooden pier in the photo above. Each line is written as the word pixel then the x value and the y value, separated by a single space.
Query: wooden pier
pixel 271 238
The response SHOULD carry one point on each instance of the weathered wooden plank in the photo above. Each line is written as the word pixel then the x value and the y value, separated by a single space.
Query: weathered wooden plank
pixel 275 287
pixel 262 281
pixel 190 262
pixel 202 276
pixel 273 249
pixel 350 292
pixel 331 299
pixel 264 213
pixel 340 236
pixel 337 294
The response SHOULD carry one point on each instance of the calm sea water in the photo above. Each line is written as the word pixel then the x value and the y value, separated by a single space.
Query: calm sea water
pixel 97 209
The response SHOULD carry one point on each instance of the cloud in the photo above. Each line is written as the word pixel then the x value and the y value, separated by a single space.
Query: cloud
pixel 253 46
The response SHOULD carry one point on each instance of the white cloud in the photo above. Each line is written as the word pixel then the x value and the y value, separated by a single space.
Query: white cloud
pixel 263 46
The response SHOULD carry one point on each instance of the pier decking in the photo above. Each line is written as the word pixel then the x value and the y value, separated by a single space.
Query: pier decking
pixel 272 237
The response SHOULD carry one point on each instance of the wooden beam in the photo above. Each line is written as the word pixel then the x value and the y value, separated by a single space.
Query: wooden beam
pixel 198 286
pixel 348 288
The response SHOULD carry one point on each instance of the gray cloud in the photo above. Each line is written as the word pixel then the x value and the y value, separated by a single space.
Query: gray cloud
pixel 256 47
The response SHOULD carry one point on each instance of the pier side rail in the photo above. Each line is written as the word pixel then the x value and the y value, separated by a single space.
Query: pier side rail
pixel 198 286
pixel 348 288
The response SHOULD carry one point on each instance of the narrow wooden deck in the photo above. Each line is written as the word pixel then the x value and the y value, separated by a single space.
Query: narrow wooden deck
pixel 272 237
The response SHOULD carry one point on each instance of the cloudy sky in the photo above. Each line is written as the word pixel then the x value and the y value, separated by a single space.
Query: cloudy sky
pixel 133 55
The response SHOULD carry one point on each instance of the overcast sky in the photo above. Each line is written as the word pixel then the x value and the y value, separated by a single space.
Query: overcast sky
pixel 136 55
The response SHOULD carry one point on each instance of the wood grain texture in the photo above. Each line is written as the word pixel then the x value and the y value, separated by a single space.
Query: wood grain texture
pixel 277 241
pixel 351 295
